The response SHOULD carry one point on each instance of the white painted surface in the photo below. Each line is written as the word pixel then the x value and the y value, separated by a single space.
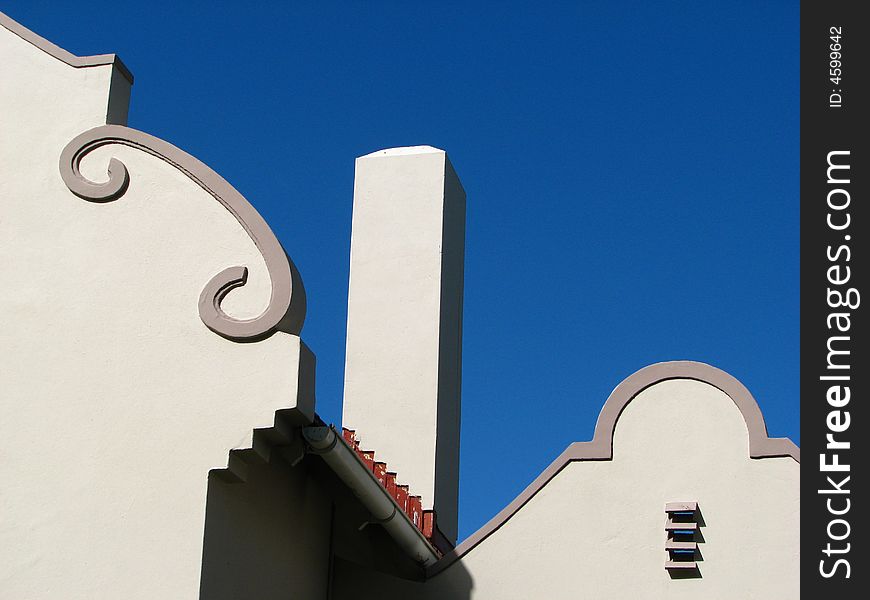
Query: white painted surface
pixel 596 530
pixel 268 539
pixel 116 399
pixel 603 522
pixel 116 402
pixel 402 374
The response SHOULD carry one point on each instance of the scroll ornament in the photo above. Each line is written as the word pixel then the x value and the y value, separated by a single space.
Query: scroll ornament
pixel 286 309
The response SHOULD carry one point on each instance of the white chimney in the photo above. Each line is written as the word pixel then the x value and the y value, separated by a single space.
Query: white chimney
pixel 404 323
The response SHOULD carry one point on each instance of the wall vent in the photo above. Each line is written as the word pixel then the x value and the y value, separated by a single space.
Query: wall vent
pixel 682 534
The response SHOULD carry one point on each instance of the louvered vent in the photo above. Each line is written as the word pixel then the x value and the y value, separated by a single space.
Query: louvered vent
pixel 682 529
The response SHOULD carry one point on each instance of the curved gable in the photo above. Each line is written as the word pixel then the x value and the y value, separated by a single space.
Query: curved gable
pixel 600 448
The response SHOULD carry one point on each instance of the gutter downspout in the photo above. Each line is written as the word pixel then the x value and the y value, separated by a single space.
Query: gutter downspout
pixel 326 443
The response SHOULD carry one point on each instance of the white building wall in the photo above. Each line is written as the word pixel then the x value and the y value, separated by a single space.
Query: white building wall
pixel 404 321
pixel 596 530
pixel 116 399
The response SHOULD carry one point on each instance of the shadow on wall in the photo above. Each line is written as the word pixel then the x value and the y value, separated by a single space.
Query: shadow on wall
pixel 267 537
pixel 288 532
pixel 353 582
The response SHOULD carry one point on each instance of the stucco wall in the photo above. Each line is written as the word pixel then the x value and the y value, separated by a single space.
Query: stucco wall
pixel 116 399
pixel 268 539
pixel 596 530
pixel 404 321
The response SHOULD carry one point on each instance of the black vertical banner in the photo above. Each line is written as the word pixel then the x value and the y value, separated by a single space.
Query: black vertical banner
pixel 835 369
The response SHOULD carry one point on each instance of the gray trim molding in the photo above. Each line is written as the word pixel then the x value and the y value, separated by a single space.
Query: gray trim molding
pixel 601 445
pixel 760 446
pixel 59 53
pixel 281 314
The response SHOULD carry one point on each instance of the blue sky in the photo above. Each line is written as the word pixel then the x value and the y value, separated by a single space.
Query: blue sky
pixel 631 171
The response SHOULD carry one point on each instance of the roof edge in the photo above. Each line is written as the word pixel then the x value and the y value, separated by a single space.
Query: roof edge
pixel 601 445
pixel 59 53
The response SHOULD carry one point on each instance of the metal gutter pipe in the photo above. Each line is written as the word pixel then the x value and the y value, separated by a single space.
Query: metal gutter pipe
pixel 325 442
